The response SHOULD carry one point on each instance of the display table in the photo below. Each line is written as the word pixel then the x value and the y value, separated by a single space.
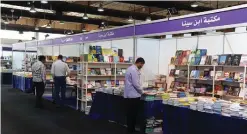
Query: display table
pixel 179 120
pixel 112 107
pixel 22 83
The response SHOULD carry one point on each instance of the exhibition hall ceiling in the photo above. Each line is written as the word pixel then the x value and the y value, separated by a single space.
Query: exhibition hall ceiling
pixel 71 17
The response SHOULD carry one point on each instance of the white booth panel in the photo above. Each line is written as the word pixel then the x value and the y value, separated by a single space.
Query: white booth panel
pixel 235 43
pixel 167 50
pixel 213 44
pixel 187 43
pixel 126 44
pixel 70 50
pixel 149 50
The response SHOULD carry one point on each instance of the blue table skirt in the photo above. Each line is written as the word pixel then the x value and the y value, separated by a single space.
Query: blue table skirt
pixel 112 107
pixel 177 120
pixel 22 83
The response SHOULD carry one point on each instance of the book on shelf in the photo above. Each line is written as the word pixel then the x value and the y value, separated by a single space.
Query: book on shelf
pixel 222 59
pixel 219 75
pixel 243 61
pixel 229 60
pixel 120 52
pixel 114 51
pixel 172 72
pixel 203 60
pixel 208 60
pixel 201 74
pixel 214 60
pixel 236 59
pixel 116 59
pixel 177 72
pixel 172 62
pixel 102 71
pixel 181 73
pixel 192 61
pixel 206 74
pixel 197 60
pixel 98 50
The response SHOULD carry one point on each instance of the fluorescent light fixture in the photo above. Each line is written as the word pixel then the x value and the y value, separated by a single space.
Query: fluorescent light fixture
pixel 130 19
pixel 100 8
pixel 36 28
pixel 48 25
pixel 44 1
pixel 194 5
pixel 85 17
pixel 148 19
pixel 32 9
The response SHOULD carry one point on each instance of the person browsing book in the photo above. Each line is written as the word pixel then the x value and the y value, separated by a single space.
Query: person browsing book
pixel 60 71
pixel 132 93
pixel 38 73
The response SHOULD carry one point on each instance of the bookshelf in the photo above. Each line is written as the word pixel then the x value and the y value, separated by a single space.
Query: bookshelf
pixel 96 75
pixel 212 79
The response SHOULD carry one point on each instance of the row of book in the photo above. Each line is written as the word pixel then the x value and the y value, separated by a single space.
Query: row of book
pixel 106 71
pixel 208 74
pixel 103 83
pixel 200 57
pixel 65 58
pixel 101 58
pixel 105 51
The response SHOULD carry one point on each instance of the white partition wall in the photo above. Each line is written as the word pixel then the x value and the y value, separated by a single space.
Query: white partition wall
pixel 167 50
pixel 126 44
pixel 213 43
pixel 149 50
pixel 235 43
pixel 187 43
pixel 70 50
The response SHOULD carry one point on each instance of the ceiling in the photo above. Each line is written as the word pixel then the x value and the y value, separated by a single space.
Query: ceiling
pixel 66 17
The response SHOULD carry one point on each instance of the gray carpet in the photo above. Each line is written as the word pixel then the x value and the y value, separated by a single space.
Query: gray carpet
pixel 18 116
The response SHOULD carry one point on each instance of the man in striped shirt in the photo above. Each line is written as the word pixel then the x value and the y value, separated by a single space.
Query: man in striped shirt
pixel 39 75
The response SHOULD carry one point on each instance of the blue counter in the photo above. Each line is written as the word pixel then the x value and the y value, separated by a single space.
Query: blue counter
pixel 22 83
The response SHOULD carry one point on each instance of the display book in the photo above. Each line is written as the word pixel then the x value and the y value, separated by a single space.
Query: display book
pixel 6 63
pixel 205 67
pixel 102 67
pixel 28 61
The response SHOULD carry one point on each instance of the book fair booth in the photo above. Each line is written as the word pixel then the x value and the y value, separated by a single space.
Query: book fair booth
pixel 192 84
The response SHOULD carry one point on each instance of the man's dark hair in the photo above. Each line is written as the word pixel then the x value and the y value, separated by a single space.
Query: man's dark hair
pixel 42 58
pixel 60 57
pixel 140 60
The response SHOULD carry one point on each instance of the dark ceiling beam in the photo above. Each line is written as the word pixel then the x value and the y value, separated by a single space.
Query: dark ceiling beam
pixel 73 7
pixel 57 16
pixel 17 27
pixel 179 5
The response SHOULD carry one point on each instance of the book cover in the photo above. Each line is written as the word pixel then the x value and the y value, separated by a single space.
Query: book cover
pixel 197 60
pixel 192 62
pixel 227 75
pixel 203 52
pixel 198 53
pixel 121 59
pixel 120 52
pixel 190 58
pixel 243 61
pixel 116 59
pixel 229 60
pixel 172 72
pixel 179 53
pixel 102 71
pixel 184 61
pixel 203 60
pixel 206 74
pixel 197 74
pixel 208 60
pixel 98 50
pixel 114 51
pixel 236 59
pixel 177 72
pixel 222 59
pixel 215 60
pixel 192 73
pixel 218 75
pixel 201 74
pixel 181 73
pixel 172 62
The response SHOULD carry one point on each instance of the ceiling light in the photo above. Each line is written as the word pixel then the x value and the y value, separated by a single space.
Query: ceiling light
pixel 100 8
pixel 36 28
pixel 85 17
pixel 32 9
pixel 44 1
pixel 61 22
pixel 130 19
pixel 148 19
pixel 48 25
pixel 194 4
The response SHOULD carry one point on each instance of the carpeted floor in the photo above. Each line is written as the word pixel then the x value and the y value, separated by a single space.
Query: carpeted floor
pixel 18 116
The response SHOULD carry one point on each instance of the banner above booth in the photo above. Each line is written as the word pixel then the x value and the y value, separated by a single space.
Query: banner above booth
pixel 110 34
pixel 231 17
pixel 68 40
pixel 45 42
pixel 31 44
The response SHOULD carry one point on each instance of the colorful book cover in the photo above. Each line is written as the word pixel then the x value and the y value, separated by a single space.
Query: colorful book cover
pixel 198 53
pixel 98 50
pixel 190 58
pixel 227 75
pixel 222 59
pixel 172 62
pixel 201 74
pixel 179 53
pixel 197 74
pixel 243 61
pixel 236 59
pixel 184 60
pixel 192 73
pixel 197 60
pixel 203 52
pixel 114 51
pixel 208 60
pixel 229 60
pixel 218 75
pixel 192 62
pixel 116 59
pixel 215 60
pixel 102 71
pixel 203 60
pixel 172 72
pixel 206 74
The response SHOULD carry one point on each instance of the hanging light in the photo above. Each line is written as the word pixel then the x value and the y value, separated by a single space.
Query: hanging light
pixel 85 17
pixel 194 4
pixel 130 19
pixel 32 9
pixel 20 32
pixel 100 8
pixel 148 19
pixel 36 28
pixel 44 1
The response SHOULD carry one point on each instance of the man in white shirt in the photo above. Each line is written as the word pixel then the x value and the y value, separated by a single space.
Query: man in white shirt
pixel 60 71
pixel 38 73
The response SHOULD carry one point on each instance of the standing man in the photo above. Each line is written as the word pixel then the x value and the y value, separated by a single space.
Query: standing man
pixel 39 75
pixel 60 71
pixel 132 93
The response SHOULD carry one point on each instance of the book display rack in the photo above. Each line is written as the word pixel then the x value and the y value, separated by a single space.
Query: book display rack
pixel 199 74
